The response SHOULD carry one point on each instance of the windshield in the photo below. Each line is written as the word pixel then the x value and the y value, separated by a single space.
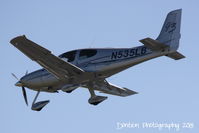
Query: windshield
pixel 86 53
pixel 69 55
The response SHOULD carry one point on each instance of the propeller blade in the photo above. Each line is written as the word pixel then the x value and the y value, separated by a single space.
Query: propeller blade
pixel 24 95
pixel 14 76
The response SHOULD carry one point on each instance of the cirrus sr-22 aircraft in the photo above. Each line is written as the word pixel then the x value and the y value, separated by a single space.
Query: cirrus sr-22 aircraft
pixel 89 68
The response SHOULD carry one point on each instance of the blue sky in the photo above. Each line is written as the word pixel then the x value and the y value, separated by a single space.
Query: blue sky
pixel 168 89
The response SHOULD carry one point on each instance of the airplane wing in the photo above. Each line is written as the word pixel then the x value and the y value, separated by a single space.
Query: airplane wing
pixel 60 69
pixel 108 88
pixel 154 45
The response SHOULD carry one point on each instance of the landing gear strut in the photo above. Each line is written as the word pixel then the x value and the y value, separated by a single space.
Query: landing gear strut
pixel 39 105
pixel 94 99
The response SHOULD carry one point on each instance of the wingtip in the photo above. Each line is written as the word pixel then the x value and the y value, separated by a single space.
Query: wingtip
pixel 13 41
pixel 176 11
pixel 131 92
pixel 134 92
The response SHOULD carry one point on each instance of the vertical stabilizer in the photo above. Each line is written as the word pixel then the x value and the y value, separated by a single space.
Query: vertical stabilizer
pixel 170 33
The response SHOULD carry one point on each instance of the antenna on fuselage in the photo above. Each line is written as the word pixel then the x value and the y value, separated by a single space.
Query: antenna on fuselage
pixel 92 42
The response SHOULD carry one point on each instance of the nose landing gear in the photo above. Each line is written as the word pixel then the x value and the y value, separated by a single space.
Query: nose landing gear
pixel 39 105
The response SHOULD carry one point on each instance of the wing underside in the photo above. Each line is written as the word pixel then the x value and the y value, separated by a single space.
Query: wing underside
pixel 105 87
pixel 59 68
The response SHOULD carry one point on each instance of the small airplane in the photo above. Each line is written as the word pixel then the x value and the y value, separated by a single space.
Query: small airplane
pixel 89 68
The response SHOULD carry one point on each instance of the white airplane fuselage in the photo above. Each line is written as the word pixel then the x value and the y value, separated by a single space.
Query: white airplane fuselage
pixel 104 63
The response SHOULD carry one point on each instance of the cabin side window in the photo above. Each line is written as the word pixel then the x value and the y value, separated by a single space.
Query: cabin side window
pixel 69 55
pixel 86 53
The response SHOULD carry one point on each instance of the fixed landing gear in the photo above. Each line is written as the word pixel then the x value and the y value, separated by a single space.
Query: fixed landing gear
pixel 69 91
pixel 94 99
pixel 39 105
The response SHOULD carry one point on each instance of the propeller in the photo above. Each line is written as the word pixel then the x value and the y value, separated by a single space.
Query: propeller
pixel 23 88
pixel 24 95
pixel 14 76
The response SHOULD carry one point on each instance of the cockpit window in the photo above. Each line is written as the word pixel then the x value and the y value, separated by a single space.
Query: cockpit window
pixel 69 55
pixel 86 53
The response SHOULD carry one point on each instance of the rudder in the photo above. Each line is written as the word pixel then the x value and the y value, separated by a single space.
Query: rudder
pixel 170 33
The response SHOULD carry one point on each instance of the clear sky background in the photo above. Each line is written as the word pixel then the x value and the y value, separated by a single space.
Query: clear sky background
pixel 168 89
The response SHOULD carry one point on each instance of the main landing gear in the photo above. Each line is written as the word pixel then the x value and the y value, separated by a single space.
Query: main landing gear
pixel 94 99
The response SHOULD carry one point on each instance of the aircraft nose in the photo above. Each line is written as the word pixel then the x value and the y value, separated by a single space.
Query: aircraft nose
pixel 18 84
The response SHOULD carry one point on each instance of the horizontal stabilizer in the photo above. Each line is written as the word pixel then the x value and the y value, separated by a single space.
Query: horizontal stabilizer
pixel 154 45
pixel 176 55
